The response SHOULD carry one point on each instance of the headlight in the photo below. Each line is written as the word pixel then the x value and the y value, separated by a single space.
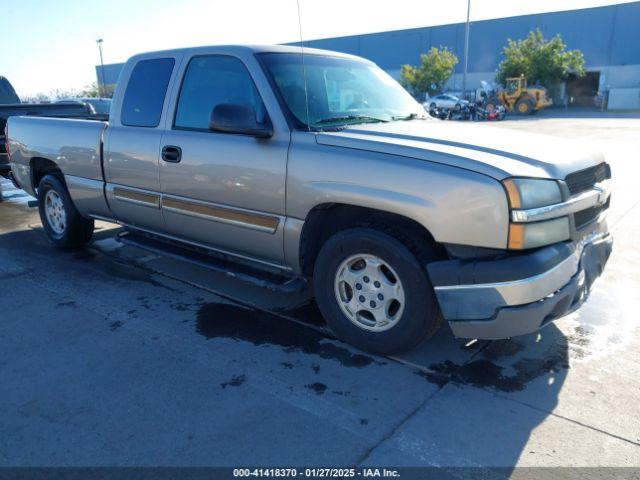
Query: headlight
pixel 532 193
pixel 526 193
pixel 532 235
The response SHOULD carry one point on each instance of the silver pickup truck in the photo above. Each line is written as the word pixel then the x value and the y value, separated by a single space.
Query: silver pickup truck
pixel 322 166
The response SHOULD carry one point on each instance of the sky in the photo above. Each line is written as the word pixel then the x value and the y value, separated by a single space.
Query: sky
pixel 51 44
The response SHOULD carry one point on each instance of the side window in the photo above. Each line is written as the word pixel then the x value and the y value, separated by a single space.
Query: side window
pixel 210 81
pixel 144 96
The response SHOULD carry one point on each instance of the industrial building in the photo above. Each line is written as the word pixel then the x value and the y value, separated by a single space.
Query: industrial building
pixel 609 38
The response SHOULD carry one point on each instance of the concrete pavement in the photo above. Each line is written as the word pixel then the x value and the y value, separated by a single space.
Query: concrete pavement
pixel 118 356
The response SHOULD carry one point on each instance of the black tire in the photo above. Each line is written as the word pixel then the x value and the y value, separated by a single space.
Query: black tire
pixel 491 104
pixel 524 107
pixel 420 318
pixel 433 106
pixel 77 230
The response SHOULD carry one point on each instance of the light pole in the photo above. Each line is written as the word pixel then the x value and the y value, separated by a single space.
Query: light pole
pixel 466 51
pixel 103 94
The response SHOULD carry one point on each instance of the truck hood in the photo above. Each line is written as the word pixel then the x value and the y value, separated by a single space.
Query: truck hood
pixel 490 150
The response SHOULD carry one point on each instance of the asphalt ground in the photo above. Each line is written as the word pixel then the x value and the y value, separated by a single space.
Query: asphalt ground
pixel 127 353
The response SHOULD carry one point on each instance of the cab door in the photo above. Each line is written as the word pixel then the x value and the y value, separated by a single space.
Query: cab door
pixel 221 190
pixel 132 144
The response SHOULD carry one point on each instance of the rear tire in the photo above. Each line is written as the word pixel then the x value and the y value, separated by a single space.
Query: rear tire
pixel 61 221
pixel 358 267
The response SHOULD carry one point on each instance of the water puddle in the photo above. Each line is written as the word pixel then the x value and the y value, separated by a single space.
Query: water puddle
pixel 224 320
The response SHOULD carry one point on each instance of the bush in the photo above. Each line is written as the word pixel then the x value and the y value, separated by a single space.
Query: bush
pixel 436 66
pixel 539 60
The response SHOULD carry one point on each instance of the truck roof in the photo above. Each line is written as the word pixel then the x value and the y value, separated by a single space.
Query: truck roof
pixel 236 49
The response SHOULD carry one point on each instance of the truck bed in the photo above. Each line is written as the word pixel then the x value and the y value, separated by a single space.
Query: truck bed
pixel 54 110
pixel 75 144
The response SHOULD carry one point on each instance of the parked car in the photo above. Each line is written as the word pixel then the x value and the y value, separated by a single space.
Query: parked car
pixel 446 101
pixel 7 93
pixel 78 110
pixel 399 220
pixel 99 105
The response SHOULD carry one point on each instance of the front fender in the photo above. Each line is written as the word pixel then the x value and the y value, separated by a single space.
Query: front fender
pixel 455 205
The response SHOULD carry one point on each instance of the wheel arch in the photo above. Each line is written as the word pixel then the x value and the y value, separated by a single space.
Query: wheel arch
pixel 326 219
pixel 41 166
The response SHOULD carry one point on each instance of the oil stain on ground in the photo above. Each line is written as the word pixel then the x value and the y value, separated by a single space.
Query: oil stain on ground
pixel 113 326
pixel 235 381
pixel 317 387
pixel 224 320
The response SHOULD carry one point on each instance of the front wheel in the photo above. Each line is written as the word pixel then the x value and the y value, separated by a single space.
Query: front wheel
pixel 373 291
pixel 61 221
pixel 524 107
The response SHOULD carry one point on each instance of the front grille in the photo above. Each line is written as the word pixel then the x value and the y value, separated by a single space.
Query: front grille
pixel 584 180
pixel 588 215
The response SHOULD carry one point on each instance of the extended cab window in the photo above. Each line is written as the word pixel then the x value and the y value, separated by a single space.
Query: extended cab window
pixel 144 97
pixel 210 81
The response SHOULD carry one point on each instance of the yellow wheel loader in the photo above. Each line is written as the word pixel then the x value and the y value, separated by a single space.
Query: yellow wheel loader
pixel 519 98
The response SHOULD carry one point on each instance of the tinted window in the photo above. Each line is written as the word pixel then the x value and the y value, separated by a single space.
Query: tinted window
pixel 144 97
pixel 100 105
pixel 211 81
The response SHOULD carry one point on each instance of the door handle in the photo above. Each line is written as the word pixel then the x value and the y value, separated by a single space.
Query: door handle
pixel 171 154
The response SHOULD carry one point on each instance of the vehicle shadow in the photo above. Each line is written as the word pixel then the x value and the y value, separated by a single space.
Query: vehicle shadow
pixel 480 423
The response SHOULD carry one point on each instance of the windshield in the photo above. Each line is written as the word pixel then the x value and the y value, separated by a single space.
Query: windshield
pixel 100 105
pixel 340 91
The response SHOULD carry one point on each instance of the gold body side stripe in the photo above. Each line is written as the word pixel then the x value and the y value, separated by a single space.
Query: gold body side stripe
pixel 214 212
pixel 135 196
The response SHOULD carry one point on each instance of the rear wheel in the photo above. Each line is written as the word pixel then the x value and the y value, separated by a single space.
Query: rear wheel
pixel 373 291
pixel 61 221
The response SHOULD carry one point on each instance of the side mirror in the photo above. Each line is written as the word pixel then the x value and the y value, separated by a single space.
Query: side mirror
pixel 239 119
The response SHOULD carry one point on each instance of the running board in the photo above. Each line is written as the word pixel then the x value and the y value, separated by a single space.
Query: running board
pixel 268 279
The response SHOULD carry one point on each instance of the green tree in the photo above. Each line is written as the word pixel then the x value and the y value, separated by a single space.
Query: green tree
pixel 94 90
pixel 436 66
pixel 539 60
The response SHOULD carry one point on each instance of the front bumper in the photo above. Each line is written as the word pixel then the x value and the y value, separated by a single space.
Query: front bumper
pixel 516 295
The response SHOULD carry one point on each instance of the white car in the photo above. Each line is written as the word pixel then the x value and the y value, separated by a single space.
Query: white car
pixel 445 100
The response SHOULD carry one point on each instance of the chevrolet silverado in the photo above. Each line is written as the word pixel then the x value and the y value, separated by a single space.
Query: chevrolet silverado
pixel 320 165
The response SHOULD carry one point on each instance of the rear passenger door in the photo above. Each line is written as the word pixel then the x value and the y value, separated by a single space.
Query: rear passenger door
pixel 132 143
pixel 227 191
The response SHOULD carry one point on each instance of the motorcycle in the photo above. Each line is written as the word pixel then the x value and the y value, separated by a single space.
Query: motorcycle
pixel 496 114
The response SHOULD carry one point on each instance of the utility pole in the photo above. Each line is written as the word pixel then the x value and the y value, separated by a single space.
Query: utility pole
pixel 466 51
pixel 104 86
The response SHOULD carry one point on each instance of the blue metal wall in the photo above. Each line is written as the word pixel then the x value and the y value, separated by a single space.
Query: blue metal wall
pixel 607 36
pixel 111 73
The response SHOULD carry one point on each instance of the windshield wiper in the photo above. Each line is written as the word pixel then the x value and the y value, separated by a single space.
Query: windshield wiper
pixel 350 118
